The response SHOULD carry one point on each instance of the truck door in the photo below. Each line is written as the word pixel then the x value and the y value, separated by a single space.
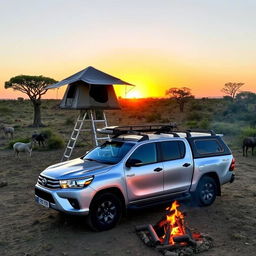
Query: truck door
pixel 178 166
pixel 143 172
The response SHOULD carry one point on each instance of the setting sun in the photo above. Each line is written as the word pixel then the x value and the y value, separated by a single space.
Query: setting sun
pixel 133 94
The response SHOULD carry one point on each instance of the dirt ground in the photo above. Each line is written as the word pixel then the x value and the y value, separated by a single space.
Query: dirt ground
pixel 30 229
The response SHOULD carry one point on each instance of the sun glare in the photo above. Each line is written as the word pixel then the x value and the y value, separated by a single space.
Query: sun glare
pixel 133 94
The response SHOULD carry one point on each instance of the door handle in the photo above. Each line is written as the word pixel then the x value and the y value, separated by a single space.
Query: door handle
pixel 158 169
pixel 186 164
pixel 130 175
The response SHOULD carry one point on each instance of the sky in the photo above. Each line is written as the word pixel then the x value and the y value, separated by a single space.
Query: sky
pixel 153 44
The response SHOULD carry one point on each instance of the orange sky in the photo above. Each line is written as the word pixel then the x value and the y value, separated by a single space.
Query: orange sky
pixel 197 44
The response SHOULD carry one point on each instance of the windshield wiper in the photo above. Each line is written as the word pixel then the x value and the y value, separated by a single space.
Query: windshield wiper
pixel 90 159
pixel 99 161
pixel 107 162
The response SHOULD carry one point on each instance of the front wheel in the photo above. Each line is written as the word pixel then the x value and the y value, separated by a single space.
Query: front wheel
pixel 105 212
pixel 206 191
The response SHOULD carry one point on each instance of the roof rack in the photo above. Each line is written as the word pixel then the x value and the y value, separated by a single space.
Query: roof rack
pixel 137 129
pixel 155 128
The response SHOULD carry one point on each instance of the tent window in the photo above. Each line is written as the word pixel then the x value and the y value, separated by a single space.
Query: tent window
pixel 99 93
pixel 71 91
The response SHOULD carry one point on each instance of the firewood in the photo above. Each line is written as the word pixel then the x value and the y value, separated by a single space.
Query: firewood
pixel 153 234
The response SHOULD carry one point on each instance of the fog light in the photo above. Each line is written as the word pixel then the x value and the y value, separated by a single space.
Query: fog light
pixel 74 203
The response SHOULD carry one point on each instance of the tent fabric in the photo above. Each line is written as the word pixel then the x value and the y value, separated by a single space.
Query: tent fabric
pixel 80 95
pixel 90 75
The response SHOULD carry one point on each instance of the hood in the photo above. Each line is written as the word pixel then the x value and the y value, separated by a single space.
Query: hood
pixel 76 168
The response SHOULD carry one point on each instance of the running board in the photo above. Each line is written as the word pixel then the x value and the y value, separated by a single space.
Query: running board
pixel 153 202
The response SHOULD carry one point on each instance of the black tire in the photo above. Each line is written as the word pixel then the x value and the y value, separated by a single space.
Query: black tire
pixel 206 191
pixel 105 212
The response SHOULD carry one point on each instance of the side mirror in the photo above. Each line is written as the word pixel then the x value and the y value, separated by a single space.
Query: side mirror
pixel 133 163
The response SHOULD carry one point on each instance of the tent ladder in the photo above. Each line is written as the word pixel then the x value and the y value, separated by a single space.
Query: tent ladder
pixel 90 119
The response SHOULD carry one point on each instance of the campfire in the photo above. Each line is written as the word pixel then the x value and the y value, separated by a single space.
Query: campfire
pixel 171 234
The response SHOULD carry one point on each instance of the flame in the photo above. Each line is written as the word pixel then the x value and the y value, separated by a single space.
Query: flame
pixel 173 224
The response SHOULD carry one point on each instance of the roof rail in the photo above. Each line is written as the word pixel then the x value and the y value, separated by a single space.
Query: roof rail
pixel 137 129
pixel 143 136
pixel 203 131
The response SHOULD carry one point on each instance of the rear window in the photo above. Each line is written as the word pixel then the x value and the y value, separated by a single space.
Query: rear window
pixel 206 147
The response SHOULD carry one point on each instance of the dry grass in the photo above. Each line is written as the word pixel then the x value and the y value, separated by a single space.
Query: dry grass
pixel 28 229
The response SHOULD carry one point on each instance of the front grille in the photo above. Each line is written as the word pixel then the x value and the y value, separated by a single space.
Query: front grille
pixel 44 195
pixel 48 183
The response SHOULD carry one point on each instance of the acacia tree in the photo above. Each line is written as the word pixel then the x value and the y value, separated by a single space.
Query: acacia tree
pixel 34 87
pixel 231 89
pixel 181 95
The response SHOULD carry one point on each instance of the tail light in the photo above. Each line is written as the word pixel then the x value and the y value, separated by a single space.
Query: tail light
pixel 232 165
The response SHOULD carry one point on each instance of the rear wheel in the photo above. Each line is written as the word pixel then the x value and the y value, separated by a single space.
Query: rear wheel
pixel 206 191
pixel 105 212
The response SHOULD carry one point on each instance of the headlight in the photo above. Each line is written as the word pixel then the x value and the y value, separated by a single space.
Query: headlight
pixel 76 183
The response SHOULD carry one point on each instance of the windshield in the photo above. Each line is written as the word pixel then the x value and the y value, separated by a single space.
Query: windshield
pixel 109 152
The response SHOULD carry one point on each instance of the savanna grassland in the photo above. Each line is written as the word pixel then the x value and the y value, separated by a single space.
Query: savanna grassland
pixel 29 229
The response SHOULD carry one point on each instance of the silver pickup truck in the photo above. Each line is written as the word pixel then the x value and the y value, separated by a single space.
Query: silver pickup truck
pixel 138 167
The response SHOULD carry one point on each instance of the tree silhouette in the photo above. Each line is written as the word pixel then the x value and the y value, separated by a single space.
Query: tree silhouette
pixel 231 89
pixel 181 95
pixel 34 87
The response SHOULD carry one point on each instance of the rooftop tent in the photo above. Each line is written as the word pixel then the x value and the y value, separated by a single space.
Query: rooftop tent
pixel 89 89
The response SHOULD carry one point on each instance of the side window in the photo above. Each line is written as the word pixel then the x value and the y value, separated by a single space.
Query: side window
pixel 172 150
pixel 145 154
pixel 208 147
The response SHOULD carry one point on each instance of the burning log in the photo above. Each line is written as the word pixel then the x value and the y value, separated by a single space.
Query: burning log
pixel 180 239
pixel 167 234
pixel 153 234
pixel 184 239
pixel 154 237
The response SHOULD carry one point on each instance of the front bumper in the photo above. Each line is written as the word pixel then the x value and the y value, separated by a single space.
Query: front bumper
pixel 63 199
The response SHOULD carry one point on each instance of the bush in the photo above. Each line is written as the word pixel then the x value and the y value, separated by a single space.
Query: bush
pixel 226 128
pixel 194 116
pixel 210 109
pixel 196 107
pixel 246 116
pixel 204 124
pixel 245 132
pixel 164 121
pixel 12 142
pixel 248 132
pixel 69 121
pixel 55 142
pixel 192 124
pixel 155 117
pixel 48 133
pixel 5 110
pixel 20 99
pixel 17 126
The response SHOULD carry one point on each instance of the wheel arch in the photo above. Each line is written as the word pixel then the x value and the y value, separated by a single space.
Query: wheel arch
pixel 114 190
pixel 215 176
